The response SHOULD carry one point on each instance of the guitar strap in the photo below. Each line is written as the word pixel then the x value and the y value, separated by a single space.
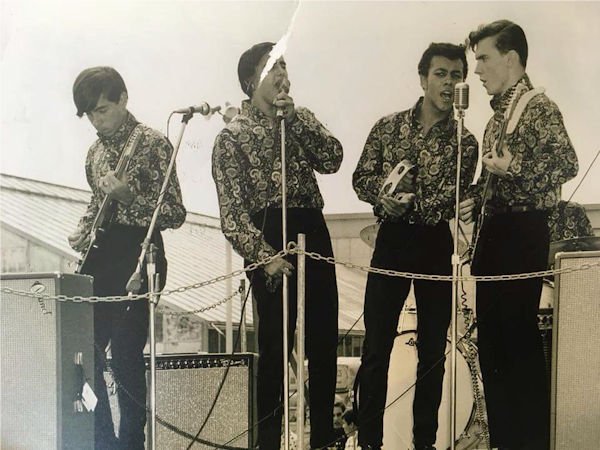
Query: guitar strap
pixel 522 103
pixel 130 146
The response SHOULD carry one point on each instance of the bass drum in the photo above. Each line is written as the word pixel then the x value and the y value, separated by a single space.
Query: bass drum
pixel 398 420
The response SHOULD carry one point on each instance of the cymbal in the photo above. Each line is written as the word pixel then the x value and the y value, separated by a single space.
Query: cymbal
pixel 369 234
pixel 580 244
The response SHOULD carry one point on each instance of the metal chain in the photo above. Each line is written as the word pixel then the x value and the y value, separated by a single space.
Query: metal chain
pixel 418 276
pixel 166 312
pixel 292 249
pixel 75 298
pixel 116 298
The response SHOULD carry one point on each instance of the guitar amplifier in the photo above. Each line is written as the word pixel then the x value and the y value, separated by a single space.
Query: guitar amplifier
pixel 186 387
pixel 39 379
pixel 575 393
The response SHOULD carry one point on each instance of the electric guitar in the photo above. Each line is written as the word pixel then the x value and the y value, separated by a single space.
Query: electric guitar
pixel 108 207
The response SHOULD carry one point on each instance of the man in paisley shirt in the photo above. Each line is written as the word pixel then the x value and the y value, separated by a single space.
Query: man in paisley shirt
pixel 528 169
pixel 100 93
pixel 247 173
pixel 414 236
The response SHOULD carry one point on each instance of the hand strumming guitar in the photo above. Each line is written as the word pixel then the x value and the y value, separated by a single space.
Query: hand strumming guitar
pixel 116 188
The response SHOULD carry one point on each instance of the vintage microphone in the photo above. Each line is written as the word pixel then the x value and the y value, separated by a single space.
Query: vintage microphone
pixel 461 103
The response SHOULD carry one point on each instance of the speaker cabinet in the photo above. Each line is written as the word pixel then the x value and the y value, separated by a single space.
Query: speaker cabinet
pixel 186 386
pixel 575 405
pixel 39 380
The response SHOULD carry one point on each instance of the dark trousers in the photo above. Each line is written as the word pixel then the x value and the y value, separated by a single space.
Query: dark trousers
pixel 125 325
pixel 510 346
pixel 320 331
pixel 417 249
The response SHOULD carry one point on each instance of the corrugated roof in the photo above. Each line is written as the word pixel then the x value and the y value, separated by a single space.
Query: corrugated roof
pixel 47 213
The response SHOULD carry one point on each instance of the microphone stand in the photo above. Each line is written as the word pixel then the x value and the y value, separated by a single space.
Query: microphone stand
pixel 455 273
pixel 135 281
pixel 285 309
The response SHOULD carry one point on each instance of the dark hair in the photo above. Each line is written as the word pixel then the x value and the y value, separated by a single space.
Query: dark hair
pixel 248 62
pixel 509 36
pixel 92 83
pixel 450 51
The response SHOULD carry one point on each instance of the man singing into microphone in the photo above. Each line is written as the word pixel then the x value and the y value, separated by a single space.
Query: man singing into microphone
pixel 527 165
pixel 247 173
pixel 414 237
pixel 100 94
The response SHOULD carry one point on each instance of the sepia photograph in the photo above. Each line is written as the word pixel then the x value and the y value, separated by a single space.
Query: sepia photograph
pixel 299 224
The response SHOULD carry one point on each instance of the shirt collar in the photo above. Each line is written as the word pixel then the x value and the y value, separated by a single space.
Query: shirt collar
pixel 122 132
pixel 253 113
pixel 447 123
pixel 499 102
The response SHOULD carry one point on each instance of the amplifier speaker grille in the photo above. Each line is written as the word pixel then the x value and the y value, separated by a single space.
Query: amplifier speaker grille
pixel 576 357
pixel 185 388
pixel 38 376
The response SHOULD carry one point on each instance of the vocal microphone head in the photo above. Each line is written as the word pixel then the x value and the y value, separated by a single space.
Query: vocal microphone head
pixel 461 96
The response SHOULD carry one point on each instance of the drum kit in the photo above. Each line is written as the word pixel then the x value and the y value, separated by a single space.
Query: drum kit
pixel 471 422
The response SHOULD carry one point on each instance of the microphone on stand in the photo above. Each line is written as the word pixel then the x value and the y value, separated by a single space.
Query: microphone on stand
pixel 461 96
pixel 203 108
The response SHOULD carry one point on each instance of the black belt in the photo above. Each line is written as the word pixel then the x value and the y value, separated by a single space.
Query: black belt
pixel 496 209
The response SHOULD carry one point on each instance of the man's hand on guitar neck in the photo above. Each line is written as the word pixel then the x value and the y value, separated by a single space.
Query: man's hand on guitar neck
pixel 496 164
pixel 117 189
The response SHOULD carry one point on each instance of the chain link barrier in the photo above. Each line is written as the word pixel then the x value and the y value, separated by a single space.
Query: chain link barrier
pixel 95 299
pixel 169 313
pixel 293 249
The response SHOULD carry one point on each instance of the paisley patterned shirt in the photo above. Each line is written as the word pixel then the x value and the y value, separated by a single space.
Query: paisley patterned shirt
pixel 569 220
pixel 543 156
pixel 400 136
pixel 146 173
pixel 246 164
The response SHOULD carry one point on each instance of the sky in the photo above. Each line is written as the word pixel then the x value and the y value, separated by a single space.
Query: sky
pixel 349 62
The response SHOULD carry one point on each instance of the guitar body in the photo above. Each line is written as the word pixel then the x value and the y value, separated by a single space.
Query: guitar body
pixel 97 234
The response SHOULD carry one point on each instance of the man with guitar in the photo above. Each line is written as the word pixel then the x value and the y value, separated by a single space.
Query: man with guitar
pixel 414 237
pixel 125 169
pixel 527 156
